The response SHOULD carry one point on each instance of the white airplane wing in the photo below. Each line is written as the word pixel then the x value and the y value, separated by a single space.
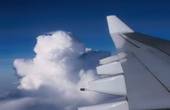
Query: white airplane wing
pixel 144 61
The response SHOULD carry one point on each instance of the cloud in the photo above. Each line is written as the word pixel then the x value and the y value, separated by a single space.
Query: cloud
pixel 60 67
pixel 17 104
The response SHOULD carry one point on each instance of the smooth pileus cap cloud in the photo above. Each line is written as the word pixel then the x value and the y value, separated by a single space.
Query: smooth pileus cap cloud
pixel 56 70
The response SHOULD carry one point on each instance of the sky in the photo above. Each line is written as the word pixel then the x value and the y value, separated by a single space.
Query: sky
pixel 22 21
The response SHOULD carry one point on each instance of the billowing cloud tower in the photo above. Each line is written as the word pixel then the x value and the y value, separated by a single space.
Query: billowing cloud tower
pixel 59 68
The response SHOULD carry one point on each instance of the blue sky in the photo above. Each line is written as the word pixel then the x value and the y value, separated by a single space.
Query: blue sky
pixel 22 21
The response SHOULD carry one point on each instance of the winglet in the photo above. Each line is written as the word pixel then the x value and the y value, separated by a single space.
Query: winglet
pixel 117 26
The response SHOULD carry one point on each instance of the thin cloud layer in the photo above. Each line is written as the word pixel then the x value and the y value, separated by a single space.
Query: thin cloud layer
pixel 17 104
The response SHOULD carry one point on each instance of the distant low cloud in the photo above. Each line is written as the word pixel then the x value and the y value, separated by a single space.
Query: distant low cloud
pixel 16 104
pixel 60 67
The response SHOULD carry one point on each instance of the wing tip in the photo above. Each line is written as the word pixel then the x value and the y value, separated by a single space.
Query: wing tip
pixel 117 26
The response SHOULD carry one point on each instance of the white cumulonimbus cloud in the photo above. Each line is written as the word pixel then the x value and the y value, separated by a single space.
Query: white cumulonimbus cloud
pixel 57 70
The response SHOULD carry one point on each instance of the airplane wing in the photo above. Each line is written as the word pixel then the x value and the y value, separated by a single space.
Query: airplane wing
pixel 140 70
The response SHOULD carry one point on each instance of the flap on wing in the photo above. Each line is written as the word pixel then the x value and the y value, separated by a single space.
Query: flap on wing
pixel 113 68
pixel 121 105
pixel 113 85
pixel 113 58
